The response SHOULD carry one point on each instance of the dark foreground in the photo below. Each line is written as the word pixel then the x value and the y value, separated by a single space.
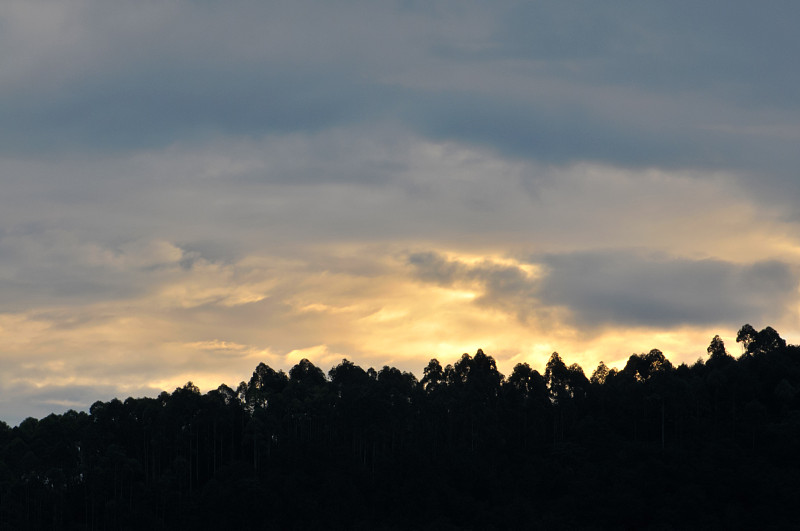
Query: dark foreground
pixel 715 445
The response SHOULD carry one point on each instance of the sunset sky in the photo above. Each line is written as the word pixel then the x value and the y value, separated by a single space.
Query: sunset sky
pixel 188 188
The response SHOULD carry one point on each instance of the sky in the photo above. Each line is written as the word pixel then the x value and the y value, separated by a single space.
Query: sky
pixel 189 188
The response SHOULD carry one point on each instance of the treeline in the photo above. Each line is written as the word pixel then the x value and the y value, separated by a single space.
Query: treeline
pixel 714 445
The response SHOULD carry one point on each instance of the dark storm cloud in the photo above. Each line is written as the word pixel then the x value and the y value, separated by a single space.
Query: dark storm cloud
pixel 625 289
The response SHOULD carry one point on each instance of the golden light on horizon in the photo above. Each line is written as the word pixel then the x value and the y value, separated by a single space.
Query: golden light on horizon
pixel 389 319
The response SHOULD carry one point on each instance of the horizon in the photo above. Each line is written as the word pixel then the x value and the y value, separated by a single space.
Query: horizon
pixel 417 374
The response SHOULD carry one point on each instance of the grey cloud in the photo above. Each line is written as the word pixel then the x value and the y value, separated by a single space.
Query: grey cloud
pixel 628 289
pixel 740 52
pixel 146 112
pixel 123 80
pixel 434 268
pixel 645 84
pixel 620 288
pixel 56 267
pixel 228 200
pixel 558 132
pixel 675 85
pixel 506 287
pixel 626 85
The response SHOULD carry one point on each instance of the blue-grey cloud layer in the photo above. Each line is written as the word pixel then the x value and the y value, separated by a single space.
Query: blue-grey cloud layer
pixel 625 289
pixel 630 84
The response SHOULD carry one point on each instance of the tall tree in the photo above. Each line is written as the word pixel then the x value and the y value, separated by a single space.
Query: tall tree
pixel 557 377
pixel 718 357
pixel 600 374
pixel 432 376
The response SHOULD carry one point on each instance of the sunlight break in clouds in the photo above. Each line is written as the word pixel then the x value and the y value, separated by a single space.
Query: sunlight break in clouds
pixel 183 317
pixel 155 313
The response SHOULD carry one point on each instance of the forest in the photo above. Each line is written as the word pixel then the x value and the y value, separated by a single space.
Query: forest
pixel 712 445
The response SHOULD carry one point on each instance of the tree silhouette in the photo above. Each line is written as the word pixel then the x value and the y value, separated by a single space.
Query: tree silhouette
pixel 600 374
pixel 711 445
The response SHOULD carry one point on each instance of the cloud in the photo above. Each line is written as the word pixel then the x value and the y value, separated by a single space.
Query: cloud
pixel 622 289
pixel 551 83
pixel 52 265
pixel 116 79
pixel 680 46
pixel 190 187
pixel 618 288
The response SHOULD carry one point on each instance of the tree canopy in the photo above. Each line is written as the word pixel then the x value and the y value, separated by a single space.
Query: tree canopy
pixel 652 445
